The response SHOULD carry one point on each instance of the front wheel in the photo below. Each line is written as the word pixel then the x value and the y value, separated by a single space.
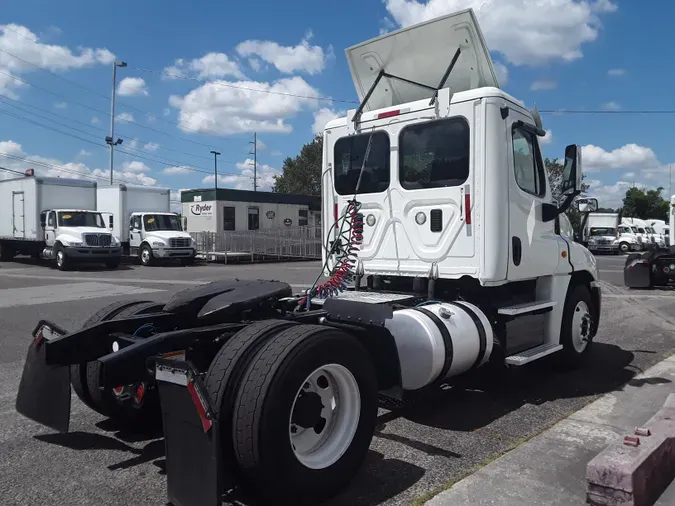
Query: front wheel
pixel 305 414
pixel 576 329
pixel 146 255
pixel 624 247
pixel 62 261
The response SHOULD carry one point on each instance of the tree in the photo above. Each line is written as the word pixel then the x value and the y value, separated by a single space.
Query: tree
pixel 302 175
pixel 645 204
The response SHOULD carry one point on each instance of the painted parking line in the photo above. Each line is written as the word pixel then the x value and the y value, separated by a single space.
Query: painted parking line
pixel 100 278
pixel 35 295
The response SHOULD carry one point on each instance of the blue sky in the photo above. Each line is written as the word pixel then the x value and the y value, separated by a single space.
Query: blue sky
pixel 191 68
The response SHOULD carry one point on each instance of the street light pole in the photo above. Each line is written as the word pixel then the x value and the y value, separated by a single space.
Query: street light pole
pixel 215 169
pixel 109 139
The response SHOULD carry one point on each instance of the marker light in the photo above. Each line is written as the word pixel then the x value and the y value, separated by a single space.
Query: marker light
pixel 420 218
pixel 370 220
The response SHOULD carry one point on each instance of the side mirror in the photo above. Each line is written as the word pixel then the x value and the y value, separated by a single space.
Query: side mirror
pixel 587 205
pixel 572 174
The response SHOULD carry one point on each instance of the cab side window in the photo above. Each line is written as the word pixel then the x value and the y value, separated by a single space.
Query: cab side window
pixel 51 220
pixel 528 166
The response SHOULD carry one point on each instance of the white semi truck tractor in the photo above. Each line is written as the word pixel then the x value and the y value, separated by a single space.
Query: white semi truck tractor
pixel 443 255
pixel 141 218
pixel 54 219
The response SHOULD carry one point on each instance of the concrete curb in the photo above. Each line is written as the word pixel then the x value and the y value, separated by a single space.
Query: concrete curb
pixel 637 470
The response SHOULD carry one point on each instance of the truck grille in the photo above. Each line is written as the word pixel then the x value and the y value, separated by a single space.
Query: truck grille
pixel 180 242
pixel 98 240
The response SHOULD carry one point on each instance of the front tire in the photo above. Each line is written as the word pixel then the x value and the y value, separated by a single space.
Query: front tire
pixel 624 247
pixel 305 414
pixel 62 260
pixel 146 256
pixel 575 332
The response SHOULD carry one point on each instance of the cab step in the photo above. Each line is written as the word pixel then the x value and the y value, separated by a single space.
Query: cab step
pixel 527 308
pixel 527 356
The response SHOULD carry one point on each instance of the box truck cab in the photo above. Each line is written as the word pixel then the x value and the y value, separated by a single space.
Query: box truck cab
pixel 56 219
pixel 155 236
pixel 140 217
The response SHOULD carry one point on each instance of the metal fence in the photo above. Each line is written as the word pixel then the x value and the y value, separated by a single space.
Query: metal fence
pixel 286 243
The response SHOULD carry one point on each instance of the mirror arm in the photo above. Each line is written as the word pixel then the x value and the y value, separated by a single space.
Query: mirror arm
pixel 568 201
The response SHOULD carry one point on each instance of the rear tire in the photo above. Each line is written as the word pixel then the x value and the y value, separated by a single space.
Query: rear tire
pixel 78 372
pixel 273 436
pixel 142 414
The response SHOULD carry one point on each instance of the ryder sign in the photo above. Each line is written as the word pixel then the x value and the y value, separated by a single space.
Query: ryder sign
pixel 201 209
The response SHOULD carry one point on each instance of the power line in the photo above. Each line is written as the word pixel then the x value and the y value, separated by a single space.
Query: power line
pixel 245 88
pixel 103 95
pixel 159 146
pixel 602 111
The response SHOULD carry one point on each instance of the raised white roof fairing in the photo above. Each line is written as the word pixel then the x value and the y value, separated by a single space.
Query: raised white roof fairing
pixel 422 53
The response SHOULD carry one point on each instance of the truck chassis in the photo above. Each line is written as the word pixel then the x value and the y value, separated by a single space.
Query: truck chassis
pixel 219 367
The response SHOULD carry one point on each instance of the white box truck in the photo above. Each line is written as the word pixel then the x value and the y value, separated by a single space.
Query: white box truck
pixel 56 219
pixel 603 233
pixel 141 218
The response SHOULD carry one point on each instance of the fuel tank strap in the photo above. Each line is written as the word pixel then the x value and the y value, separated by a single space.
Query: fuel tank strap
pixel 482 335
pixel 447 341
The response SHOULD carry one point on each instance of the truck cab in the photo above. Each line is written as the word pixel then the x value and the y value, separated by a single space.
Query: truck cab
pixel 156 236
pixel 76 235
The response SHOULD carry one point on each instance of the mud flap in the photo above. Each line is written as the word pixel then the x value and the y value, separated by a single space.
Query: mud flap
pixel 44 390
pixel 636 271
pixel 194 468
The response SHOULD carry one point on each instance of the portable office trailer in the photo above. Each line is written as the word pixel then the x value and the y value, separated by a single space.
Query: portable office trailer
pixel 239 210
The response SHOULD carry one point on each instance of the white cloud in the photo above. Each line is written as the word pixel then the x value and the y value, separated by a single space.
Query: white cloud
pixel 255 64
pixel 629 156
pixel 132 86
pixel 84 152
pixel 609 195
pixel 526 32
pixel 177 170
pixel 127 117
pixel 95 121
pixel 244 180
pixel 616 72
pixel 52 167
pixel 502 73
pixel 222 107
pixel 276 152
pixel 260 145
pixel 547 139
pixel 611 106
pixel 166 111
pixel 21 42
pixel 323 116
pixel 135 166
pixel 628 175
pixel 544 84
pixel 209 66
pixel 287 59
pixel 61 105
pixel 151 146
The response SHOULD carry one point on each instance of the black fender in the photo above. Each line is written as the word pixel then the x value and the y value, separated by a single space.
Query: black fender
pixel 637 270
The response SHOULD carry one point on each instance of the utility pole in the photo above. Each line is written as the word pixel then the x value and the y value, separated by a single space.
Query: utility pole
pixel 670 180
pixel 215 170
pixel 255 161
pixel 109 139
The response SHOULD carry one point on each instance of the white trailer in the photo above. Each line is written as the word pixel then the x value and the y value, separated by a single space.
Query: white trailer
pixel 141 218
pixel 56 219
pixel 437 204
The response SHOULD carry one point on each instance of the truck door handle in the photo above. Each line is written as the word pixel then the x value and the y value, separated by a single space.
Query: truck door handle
pixel 517 250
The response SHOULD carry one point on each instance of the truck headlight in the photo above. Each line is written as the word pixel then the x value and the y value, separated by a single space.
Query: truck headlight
pixel 75 243
pixel 158 244
pixel 114 241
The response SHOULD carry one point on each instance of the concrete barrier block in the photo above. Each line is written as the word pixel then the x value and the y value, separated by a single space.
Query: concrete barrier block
pixel 635 470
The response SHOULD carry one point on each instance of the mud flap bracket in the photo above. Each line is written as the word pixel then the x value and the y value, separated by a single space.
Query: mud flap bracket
pixel 194 460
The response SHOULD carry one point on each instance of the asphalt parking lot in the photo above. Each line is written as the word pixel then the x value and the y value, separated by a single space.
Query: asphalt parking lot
pixel 415 452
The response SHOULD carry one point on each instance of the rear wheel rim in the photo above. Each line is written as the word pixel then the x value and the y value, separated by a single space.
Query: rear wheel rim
pixel 325 416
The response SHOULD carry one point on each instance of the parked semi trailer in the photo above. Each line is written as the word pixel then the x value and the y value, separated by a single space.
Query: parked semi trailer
pixel 276 392
pixel 54 219
pixel 141 218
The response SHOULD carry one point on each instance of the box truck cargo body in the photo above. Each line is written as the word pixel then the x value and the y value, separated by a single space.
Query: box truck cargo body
pixel 141 218
pixel 56 219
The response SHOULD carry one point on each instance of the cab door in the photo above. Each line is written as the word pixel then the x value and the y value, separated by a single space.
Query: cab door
pixel 135 231
pixel 533 243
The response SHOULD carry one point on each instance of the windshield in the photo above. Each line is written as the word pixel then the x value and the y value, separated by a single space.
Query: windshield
pixel 80 219
pixel 161 222
pixel 635 230
pixel 641 230
pixel 603 231
pixel 349 154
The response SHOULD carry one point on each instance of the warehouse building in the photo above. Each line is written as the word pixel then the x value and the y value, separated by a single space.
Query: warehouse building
pixel 225 210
